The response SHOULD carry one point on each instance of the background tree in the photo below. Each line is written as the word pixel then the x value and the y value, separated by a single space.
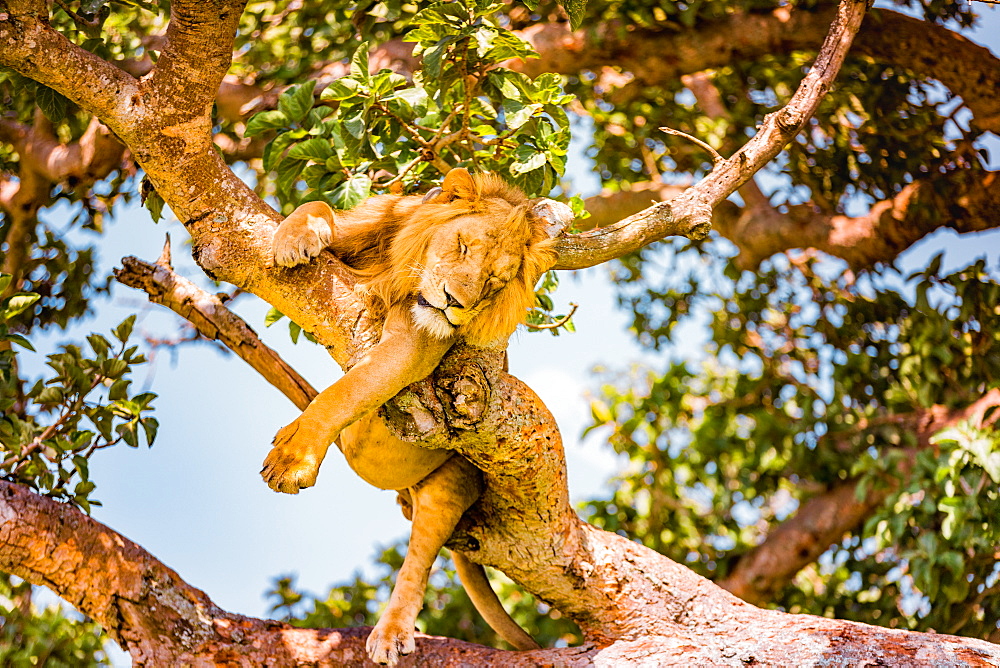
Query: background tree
pixel 833 452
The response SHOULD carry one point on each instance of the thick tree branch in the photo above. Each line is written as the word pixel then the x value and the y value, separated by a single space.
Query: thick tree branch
pixel 196 55
pixel 161 620
pixel 214 321
pixel 153 614
pixel 962 200
pixel 31 47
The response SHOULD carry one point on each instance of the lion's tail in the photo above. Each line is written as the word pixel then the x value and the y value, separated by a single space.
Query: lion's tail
pixel 476 583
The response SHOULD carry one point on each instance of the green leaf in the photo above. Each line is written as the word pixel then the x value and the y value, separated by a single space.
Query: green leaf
pixel 124 330
pixel 99 344
pixel 264 121
pixel 296 102
pixel 150 426
pixel 351 192
pixel 288 174
pixel 527 159
pixel 275 149
pixel 4 282
pixel 359 63
pixel 355 125
pixel 52 104
pixel 273 316
pixel 317 149
pixel 517 114
pixel 434 56
pixel 50 395
pixel 119 389
pixel 154 203
pixel 386 81
pixel 113 368
pixel 17 303
pixel 19 340
pixel 340 89
pixel 576 10
pixel 294 330
pixel 129 433
pixel 407 102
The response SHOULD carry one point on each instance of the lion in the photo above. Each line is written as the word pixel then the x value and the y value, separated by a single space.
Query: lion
pixel 459 263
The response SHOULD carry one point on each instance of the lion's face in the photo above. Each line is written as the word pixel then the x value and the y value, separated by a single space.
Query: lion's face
pixel 469 262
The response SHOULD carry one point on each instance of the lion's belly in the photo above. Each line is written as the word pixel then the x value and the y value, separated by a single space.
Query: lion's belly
pixel 383 460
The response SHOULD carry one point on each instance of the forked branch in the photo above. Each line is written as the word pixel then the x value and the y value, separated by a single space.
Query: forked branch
pixel 690 214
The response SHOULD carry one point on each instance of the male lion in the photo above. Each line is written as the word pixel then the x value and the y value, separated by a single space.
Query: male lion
pixel 458 263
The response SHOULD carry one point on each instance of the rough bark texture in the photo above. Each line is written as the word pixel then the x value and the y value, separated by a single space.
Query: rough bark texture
pixel 632 604
pixel 214 321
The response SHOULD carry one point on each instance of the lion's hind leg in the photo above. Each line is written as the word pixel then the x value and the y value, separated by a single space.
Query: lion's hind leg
pixel 303 234
pixel 438 502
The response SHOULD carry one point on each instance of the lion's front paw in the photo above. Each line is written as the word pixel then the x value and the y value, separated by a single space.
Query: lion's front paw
pixel 302 236
pixel 389 641
pixel 293 462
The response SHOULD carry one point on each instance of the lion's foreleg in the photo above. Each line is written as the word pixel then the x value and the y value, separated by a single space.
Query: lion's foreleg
pixel 437 504
pixel 404 355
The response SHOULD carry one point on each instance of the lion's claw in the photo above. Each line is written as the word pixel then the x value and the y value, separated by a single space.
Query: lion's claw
pixel 388 642
pixel 293 462
pixel 299 241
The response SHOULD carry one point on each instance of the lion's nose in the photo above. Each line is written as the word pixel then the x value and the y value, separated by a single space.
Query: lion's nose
pixel 452 301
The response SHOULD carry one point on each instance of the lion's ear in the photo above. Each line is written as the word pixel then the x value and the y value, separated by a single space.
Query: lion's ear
pixel 554 216
pixel 458 184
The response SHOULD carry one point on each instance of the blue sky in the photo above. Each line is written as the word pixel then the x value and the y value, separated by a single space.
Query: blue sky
pixel 196 501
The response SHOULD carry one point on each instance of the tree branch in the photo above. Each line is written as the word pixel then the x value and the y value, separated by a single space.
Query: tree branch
pixel 31 47
pixel 656 56
pixel 962 200
pixel 196 55
pixel 214 321
pixel 690 213
pixel 161 620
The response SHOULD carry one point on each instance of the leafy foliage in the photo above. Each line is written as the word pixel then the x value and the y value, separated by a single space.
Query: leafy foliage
pixel 461 108
pixel 49 432
pixel 49 637
pixel 809 382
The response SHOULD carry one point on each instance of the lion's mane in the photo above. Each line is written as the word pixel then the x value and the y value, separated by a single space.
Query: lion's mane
pixel 385 239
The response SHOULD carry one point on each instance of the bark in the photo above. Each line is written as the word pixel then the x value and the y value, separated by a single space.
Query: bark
pixel 214 321
pixel 631 603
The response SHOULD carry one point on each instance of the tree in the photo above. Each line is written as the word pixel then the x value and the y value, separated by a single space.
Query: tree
pixel 827 385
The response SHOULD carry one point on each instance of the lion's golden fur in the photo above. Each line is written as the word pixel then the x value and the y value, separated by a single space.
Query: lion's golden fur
pixel 386 238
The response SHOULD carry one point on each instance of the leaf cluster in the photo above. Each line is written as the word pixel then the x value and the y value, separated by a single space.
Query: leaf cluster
pixel 49 432
pixel 49 637
pixel 809 381
pixel 371 131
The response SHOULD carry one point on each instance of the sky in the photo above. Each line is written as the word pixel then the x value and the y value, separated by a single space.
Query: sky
pixel 195 500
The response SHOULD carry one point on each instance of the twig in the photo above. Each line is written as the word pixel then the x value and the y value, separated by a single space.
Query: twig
pixel 716 158
pixel 558 323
